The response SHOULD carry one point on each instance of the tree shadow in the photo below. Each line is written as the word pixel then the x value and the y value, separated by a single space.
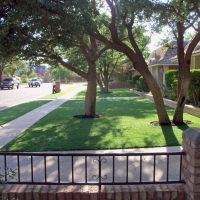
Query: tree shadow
pixel 169 133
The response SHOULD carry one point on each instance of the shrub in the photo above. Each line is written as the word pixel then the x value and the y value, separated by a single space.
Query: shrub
pixel 171 79
pixel 135 78
pixel 24 78
pixel 194 86
pixel 142 85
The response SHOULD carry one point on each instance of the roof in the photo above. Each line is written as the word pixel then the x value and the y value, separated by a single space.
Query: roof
pixel 195 51
pixel 163 54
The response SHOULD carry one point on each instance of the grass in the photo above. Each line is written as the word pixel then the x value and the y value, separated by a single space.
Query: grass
pixel 125 124
pixel 113 93
pixel 14 112
pixel 57 95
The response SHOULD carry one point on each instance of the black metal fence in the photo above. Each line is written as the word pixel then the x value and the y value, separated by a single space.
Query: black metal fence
pixel 91 169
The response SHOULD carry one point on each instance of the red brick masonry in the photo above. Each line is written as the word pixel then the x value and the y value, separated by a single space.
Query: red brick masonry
pixel 67 192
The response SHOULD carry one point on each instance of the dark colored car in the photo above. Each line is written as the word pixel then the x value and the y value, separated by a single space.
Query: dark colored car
pixel 9 83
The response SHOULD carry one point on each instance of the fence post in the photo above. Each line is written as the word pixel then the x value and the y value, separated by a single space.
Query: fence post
pixel 191 163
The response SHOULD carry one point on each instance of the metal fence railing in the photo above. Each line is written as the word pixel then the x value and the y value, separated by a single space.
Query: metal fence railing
pixel 91 169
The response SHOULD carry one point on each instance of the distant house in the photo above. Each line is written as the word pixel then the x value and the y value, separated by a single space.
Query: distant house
pixel 39 70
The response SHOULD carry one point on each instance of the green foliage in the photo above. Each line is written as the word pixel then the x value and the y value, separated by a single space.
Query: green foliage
pixel 60 73
pixel 142 85
pixel 168 93
pixel 19 110
pixel 24 78
pixel 194 86
pixel 171 78
pixel 32 75
pixel 7 172
pixel 135 78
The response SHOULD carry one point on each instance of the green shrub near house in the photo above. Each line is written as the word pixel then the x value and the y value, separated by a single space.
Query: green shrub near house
pixel 171 79
pixel 194 86
pixel 135 78
pixel 142 85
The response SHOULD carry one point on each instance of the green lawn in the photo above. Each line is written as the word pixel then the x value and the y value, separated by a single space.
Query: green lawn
pixel 57 95
pixel 14 112
pixel 125 124
pixel 113 93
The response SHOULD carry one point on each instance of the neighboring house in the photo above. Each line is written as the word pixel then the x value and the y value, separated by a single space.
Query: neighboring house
pixel 195 59
pixel 159 61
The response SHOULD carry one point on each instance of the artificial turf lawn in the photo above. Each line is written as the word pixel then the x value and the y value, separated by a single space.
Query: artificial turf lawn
pixel 125 124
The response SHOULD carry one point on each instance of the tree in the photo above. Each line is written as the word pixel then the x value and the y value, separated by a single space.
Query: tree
pixel 125 15
pixel 181 15
pixel 16 67
pixel 60 73
pixel 38 24
pixel 106 66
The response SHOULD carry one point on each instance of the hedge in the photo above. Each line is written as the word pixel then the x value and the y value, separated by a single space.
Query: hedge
pixel 136 78
pixel 171 78
pixel 194 86
pixel 142 85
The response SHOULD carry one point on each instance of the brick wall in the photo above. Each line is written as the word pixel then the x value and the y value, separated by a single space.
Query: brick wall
pixel 188 108
pixel 191 163
pixel 64 192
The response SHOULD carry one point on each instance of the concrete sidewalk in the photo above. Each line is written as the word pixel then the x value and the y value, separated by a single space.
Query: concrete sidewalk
pixel 12 129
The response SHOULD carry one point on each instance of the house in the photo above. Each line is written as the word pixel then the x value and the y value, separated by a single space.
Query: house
pixel 164 58
pixel 159 61
pixel 195 58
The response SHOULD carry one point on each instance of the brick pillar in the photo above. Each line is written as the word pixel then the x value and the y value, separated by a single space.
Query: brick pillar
pixel 191 163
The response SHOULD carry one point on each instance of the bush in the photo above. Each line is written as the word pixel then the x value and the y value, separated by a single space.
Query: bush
pixel 171 79
pixel 142 85
pixel 24 78
pixel 135 78
pixel 194 86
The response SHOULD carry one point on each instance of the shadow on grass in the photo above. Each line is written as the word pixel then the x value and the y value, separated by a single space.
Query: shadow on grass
pixel 125 125
pixel 170 138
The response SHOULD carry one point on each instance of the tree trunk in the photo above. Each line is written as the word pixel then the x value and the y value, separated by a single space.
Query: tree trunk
pixel 100 83
pixel 142 67
pixel 1 71
pixel 183 83
pixel 90 98
pixel 158 99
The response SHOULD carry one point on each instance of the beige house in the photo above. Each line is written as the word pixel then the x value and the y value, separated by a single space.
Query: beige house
pixel 195 59
pixel 159 61
pixel 164 58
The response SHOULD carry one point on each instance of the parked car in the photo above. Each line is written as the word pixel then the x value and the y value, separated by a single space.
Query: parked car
pixel 9 83
pixel 34 82
pixel 39 79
